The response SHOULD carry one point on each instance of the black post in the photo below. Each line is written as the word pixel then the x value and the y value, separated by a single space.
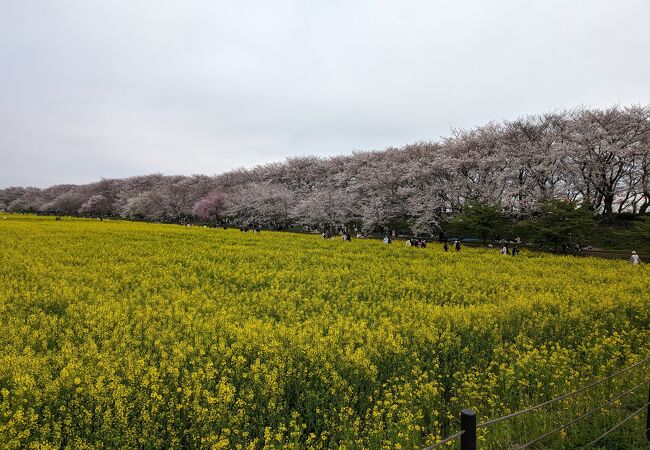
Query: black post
pixel 468 425
pixel 647 418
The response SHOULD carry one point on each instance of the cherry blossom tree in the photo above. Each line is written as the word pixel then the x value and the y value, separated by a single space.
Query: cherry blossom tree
pixel 602 147
pixel 96 205
pixel 211 207
pixel 261 203
pixel 145 205
pixel 68 203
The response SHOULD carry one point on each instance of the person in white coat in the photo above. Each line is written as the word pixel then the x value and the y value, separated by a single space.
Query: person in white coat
pixel 634 259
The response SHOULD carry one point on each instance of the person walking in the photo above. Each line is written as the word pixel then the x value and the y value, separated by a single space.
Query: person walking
pixel 446 247
pixel 457 246
pixel 634 259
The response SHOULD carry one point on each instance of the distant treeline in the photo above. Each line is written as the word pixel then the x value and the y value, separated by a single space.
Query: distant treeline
pixel 596 158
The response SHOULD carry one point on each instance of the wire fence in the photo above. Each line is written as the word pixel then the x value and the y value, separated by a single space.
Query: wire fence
pixel 635 413
pixel 577 419
pixel 469 428
pixel 439 444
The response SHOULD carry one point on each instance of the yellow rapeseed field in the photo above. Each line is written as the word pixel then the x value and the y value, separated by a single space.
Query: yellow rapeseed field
pixel 130 335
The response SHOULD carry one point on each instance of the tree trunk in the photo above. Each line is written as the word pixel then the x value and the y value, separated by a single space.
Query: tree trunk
pixel 608 201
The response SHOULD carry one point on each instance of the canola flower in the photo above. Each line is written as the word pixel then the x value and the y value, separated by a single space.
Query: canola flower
pixel 133 335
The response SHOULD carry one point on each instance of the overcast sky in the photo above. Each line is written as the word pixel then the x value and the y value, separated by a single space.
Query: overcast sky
pixel 92 89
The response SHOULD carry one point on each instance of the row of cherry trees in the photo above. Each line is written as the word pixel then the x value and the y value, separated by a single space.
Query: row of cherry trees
pixel 597 157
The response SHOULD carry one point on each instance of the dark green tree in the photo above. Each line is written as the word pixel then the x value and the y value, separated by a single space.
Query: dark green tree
pixel 559 223
pixel 478 219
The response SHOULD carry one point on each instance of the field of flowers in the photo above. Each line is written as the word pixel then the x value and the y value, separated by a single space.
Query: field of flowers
pixel 132 335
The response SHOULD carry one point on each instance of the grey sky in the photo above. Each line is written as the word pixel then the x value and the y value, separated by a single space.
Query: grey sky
pixel 92 89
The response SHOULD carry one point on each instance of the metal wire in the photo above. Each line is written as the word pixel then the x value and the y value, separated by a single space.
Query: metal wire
pixel 616 426
pixel 577 419
pixel 445 440
pixel 562 397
